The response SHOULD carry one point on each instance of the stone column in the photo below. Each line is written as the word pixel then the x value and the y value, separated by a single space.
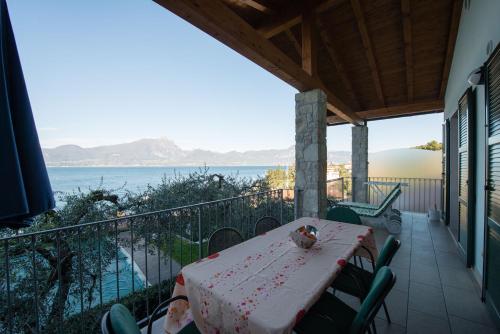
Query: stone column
pixel 310 154
pixel 360 163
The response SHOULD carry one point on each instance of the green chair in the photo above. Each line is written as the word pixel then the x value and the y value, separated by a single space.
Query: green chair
pixel 343 215
pixel 331 315
pixel 265 224
pixel 119 320
pixel 223 238
pixel 357 282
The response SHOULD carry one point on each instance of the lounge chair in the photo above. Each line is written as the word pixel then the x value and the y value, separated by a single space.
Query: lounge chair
pixel 379 215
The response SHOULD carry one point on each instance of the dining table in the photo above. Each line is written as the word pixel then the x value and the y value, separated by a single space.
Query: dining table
pixel 267 283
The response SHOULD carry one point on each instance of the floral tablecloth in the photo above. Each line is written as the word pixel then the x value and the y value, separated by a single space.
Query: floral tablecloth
pixel 266 284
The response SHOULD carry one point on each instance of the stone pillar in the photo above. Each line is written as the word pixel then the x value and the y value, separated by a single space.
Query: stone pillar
pixel 360 163
pixel 310 154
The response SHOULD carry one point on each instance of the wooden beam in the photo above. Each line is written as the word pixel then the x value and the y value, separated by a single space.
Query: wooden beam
pixel 452 37
pixel 257 5
pixel 370 55
pixel 294 41
pixel 217 20
pixel 408 42
pixel 394 111
pixel 281 21
pixel 291 16
pixel 328 44
pixel 309 43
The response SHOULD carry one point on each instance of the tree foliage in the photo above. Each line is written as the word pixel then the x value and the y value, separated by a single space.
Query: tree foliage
pixel 433 145
pixel 281 178
pixel 62 270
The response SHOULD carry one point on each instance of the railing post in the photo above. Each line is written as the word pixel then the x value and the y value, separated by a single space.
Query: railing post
pixel 342 185
pixel 280 194
pixel 200 239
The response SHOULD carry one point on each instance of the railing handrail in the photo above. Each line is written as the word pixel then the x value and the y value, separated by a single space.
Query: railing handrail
pixel 404 178
pixel 134 216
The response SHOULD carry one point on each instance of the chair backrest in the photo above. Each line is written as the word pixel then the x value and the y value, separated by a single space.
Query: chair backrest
pixel 119 320
pixel 266 224
pixel 344 215
pixel 381 286
pixel 391 197
pixel 223 238
pixel 388 251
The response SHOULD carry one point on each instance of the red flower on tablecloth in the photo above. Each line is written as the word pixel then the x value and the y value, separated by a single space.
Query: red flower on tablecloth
pixel 180 279
pixel 213 256
pixel 299 316
pixel 342 262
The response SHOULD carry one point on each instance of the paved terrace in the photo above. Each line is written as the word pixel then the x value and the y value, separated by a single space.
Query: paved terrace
pixel 434 292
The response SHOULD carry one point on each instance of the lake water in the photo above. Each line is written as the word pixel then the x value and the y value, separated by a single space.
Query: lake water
pixel 69 179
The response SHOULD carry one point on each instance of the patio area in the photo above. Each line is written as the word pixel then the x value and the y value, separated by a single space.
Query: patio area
pixel 434 292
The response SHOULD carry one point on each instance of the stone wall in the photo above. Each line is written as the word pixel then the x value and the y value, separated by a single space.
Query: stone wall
pixel 310 154
pixel 360 163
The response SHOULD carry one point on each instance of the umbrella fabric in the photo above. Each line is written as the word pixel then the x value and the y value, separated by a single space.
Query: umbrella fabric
pixel 24 184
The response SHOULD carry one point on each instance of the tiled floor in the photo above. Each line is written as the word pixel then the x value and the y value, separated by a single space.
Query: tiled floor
pixel 434 292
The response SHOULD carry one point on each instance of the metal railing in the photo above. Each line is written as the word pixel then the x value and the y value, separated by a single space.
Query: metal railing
pixel 417 194
pixel 339 189
pixel 63 280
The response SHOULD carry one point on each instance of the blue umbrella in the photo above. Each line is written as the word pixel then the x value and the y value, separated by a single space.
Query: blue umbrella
pixel 24 184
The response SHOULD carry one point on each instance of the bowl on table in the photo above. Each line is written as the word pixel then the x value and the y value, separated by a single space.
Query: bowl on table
pixel 305 236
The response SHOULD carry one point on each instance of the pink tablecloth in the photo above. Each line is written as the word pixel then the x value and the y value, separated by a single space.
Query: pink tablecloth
pixel 266 284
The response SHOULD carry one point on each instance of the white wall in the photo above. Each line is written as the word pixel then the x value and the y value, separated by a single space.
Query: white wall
pixel 478 25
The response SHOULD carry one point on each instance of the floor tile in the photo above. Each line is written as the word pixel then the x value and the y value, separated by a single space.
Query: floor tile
pixel 385 328
pixel 462 326
pixel 422 323
pixel 449 260
pixel 458 278
pixel 423 273
pixel 466 305
pixel 427 299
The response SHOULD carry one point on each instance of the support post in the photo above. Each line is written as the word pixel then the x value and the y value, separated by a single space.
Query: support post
pixel 360 163
pixel 310 154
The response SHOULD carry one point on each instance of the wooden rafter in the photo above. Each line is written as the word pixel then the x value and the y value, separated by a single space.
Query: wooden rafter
pixel 257 5
pixel 217 20
pixel 408 42
pixel 309 43
pixel 325 39
pixel 370 55
pixel 291 16
pixel 296 45
pixel 394 111
pixel 452 37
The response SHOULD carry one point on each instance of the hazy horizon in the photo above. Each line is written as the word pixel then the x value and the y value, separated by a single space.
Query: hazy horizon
pixel 213 150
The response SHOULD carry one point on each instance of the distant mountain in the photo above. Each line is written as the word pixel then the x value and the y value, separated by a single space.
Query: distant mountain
pixel 164 152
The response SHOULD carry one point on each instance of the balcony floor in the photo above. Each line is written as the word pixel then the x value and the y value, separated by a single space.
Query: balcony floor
pixel 434 292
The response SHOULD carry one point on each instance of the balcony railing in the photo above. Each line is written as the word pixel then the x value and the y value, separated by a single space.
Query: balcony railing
pixel 62 280
pixel 417 194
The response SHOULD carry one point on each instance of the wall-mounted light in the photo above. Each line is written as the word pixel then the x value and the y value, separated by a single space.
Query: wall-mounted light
pixel 476 77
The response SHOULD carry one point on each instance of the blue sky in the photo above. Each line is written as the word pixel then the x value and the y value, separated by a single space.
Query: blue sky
pixel 112 71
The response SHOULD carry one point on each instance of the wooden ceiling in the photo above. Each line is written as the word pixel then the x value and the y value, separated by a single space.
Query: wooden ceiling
pixel 374 59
